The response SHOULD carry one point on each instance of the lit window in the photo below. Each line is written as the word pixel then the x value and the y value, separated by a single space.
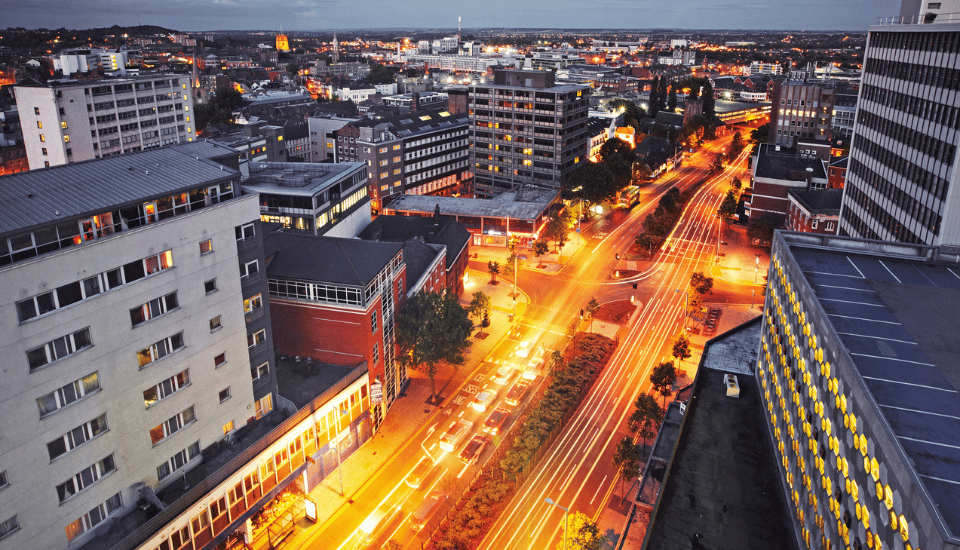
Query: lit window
pixel 206 246
pixel 220 360
pixel 66 138
pixel 215 323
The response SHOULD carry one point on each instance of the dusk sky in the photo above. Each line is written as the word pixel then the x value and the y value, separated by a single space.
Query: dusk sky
pixel 196 15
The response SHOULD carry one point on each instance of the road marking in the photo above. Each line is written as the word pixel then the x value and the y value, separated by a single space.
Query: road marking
pixel 480 377
pixel 471 389
pixel 598 490
pixel 458 400
pixel 465 466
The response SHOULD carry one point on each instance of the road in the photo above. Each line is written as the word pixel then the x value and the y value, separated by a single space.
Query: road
pixel 577 472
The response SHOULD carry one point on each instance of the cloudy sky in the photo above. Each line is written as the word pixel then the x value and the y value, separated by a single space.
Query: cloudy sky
pixel 195 15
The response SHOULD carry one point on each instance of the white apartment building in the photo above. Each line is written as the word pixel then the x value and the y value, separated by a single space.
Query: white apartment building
pixel 758 67
pixel 127 334
pixel 71 121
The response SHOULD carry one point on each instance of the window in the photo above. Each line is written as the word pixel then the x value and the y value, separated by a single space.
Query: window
pixel 39 125
pixel 215 323
pixel 814 224
pixel 384 162
pixel 66 138
pixel 248 269
pixel 252 304
pixel 36 110
pixel 225 394
pixel 76 437
pixel 172 425
pixel 42 138
pixel 159 350
pixel 210 286
pixel 9 526
pixel 64 125
pixel 396 159
pixel 3 479
pixel 58 349
pixel 264 405
pixel 206 247
pixel 256 339
pixel 93 518
pixel 373 322
pixel 376 354
pixel 72 293
pixel 44 150
pixel 154 308
pixel 228 427
pixel 220 360
pixel 244 232
pixel 87 477
pixel 178 460
pixel 68 394
pixel 260 372
pixel 166 388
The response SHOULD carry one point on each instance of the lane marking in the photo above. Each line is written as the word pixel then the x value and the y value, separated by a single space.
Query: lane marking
pixel 879 338
pixel 921 412
pixel 862 319
pixel 910 384
pixel 890 272
pixel 855 267
pixel 599 486
pixel 894 359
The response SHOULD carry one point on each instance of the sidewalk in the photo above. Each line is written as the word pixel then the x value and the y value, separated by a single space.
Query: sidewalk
pixel 550 263
pixel 409 413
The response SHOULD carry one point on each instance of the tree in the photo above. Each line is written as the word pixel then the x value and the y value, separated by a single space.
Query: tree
pixel 582 533
pixel 672 99
pixel 293 68
pixel 540 247
pixel 736 184
pixel 480 307
pixel 646 417
pixel 646 241
pixel 709 102
pixel 761 134
pixel 663 377
pixel 654 97
pixel 761 230
pixel 512 263
pixel 632 113
pixel 379 74
pixel 591 182
pixel 681 348
pixel 494 269
pixel 700 283
pixel 728 207
pixel 557 228
pixel 736 146
pixel 592 307
pixel 432 327
pixel 617 156
pixel 717 164
pixel 627 459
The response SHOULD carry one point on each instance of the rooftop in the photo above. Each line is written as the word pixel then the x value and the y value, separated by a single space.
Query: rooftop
pixel 896 317
pixel 527 203
pixel 422 121
pixel 821 201
pixel 720 491
pixel 447 232
pixel 296 178
pixel 334 260
pixel 785 164
pixel 48 195
pixel 723 106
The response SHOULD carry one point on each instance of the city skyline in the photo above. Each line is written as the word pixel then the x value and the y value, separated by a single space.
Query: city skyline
pixel 300 15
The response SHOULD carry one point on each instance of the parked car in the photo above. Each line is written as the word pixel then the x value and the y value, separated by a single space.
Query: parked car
pixel 495 421
pixel 471 453
pixel 419 473
pixel 517 393
pixel 483 400
pixel 426 509
pixel 504 374
pixel 455 434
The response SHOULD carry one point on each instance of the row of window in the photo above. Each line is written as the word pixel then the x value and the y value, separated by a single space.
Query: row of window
pixel 93 518
pixel 87 288
pixel 172 425
pixel 85 478
pixel 166 388
pixel 178 460
pixel 63 396
pixel 159 350
pixel 77 436
pixel 58 349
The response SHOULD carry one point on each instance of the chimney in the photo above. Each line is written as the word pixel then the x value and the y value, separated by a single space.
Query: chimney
pixel 415 104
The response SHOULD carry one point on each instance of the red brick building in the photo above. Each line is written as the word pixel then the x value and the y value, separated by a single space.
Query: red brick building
pixel 837 173
pixel 776 170
pixel 814 211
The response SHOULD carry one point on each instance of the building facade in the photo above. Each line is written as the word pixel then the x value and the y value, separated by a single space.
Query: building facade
pixel 801 110
pixel 903 168
pixel 130 337
pixel 82 120
pixel 525 129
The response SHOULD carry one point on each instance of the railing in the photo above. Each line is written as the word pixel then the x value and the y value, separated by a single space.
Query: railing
pixel 926 19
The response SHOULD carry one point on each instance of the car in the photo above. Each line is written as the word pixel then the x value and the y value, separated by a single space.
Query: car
pixel 471 453
pixel 504 374
pixel 523 349
pixel 483 400
pixel 495 421
pixel 532 368
pixel 455 434
pixel 419 473
pixel 517 393
pixel 426 509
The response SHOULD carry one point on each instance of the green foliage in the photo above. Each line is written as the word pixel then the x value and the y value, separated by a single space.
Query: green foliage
pixel 591 182
pixel 717 164
pixel 582 534
pixel 557 229
pixel 540 247
pixel 761 134
pixel 761 229
pixel 700 283
pixel 728 207
pixel 293 68
pixel 617 156
pixel 632 113
pixel 663 377
pixel 709 103
pixel 494 269
pixel 736 184
pixel 219 110
pixel 646 417
pixel 672 99
pixel 479 305
pixel 681 348
pixel 432 327
pixel 513 262
pixel 627 458
pixel 379 74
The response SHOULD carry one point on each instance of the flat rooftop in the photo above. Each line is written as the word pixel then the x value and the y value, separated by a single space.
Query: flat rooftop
pixel 527 203
pixel 296 178
pixel 785 164
pixel 723 106
pixel 896 316
pixel 722 489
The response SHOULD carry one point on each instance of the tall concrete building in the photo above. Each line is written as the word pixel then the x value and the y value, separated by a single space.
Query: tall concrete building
pixel 802 111
pixel 136 334
pixel 858 373
pixel 526 129
pixel 70 121
pixel 903 170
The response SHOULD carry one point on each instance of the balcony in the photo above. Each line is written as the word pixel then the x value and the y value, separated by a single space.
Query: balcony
pixel 254 315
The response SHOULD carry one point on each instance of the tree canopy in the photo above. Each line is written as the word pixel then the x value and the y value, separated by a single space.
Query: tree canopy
pixel 591 182
pixel 617 156
pixel 728 207
pixel 379 74
pixel 432 327
pixel 646 417
pixel 700 283
pixel 681 348
pixel 663 377
pixel 582 533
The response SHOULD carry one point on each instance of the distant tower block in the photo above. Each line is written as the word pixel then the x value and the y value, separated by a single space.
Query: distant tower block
pixel 336 49
pixel 459 30
pixel 283 45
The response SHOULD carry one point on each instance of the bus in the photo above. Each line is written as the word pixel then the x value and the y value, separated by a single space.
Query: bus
pixel 628 197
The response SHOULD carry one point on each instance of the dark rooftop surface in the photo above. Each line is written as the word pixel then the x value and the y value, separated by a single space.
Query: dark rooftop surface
pixel 412 123
pixel 402 228
pixel 897 319
pixel 302 379
pixel 46 195
pixel 326 259
pixel 785 164
pixel 418 256
pixel 823 201
pixel 722 490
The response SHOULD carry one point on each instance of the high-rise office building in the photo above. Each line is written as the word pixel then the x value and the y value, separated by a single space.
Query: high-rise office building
pixel 858 376
pixel 802 111
pixel 903 168
pixel 136 333
pixel 526 129
pixel 70 121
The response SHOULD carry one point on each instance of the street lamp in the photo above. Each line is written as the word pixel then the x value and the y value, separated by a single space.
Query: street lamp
pixel 339 462
pixel 756 269
pixel 515 265
pixel 566 511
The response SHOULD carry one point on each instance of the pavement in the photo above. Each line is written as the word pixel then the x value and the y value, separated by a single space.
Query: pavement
pixel 550 263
